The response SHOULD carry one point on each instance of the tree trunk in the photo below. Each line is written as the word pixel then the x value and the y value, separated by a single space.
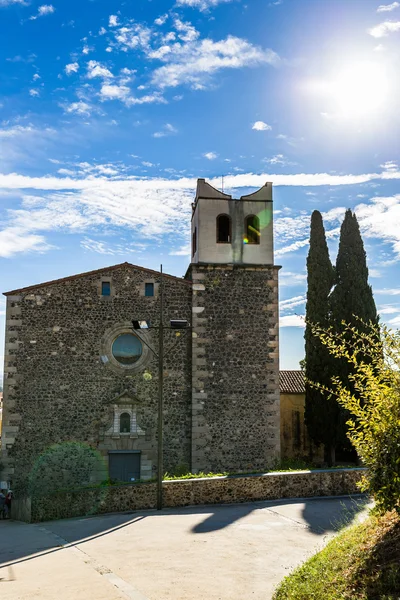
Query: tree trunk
pixel 330 455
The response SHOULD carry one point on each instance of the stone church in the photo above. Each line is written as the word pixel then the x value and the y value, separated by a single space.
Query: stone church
pixel 76 369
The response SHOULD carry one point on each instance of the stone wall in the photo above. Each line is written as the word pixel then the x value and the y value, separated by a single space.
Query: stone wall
pixel 235 367
pixel 61 383
pixel 218 490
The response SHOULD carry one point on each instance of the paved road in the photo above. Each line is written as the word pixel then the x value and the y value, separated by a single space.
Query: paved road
pixel 226 552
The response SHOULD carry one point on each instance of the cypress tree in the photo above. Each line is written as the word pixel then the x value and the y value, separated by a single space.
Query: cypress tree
pixel 350 300
pixel 352 295
pixel 321 412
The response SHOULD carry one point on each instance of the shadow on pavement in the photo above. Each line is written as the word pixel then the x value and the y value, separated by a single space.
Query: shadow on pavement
pixel 321 515
pixel 21 541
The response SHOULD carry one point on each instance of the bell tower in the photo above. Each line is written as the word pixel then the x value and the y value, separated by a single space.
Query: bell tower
pixel 228 231
pixel 235 345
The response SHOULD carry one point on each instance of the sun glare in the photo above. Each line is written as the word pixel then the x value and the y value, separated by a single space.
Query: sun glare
pixel 360 89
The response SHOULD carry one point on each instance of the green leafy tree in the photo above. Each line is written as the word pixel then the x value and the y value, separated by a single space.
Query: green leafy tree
pixel 351 301
pixel 371 398
pixel 321 411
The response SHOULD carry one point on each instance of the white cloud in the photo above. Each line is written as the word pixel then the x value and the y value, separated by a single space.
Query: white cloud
pixel 188 60
pixel 380 218
pixel 66 172
pixel 291 302
pixel 210 155
pixel 102 30
pixel 195 61
pixel 186 31
pixel 34 93
pixel 71 68
pixel 395 322
pixel 292 247
pixel 113 21
pixel 261 126
pixel 168 129
pixel 389 165
pixel 114 92
pixel 126 75
pixel 146 163
pixel 387 7
pixel 161 20
pixel 36 77
pixel 80 108
pixel 96 69
pixel 388 292
pixel 383 29
pixel 202 5
pixel 292 321
pixel 45 9
pixel 132 37
pixel 287 278
pixel 10 2
pixel 278 159
pixel 14 240
pixel 16 130
pixel 123 93
pixel 157 206
pixel 184 250
pixel 102 247
pixel 374 273
pixel 388 310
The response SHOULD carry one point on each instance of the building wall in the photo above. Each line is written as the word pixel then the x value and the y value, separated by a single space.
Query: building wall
pixel 294 438
pixel 62 385
pixel 205 222
pixel 295 441
pixel 235 367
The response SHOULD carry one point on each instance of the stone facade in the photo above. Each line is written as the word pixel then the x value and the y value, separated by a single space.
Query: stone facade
pixel 64 385
pixel 61 384
pixel 235 367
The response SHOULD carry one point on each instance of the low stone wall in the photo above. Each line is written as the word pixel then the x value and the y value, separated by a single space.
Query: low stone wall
pixel 191 492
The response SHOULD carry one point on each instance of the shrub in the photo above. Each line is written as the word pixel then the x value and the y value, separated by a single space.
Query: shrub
pixel 373 403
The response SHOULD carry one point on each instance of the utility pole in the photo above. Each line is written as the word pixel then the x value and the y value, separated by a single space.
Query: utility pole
pixel 145 326
pixel 160 467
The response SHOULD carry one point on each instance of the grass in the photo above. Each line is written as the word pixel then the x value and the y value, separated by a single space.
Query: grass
pixel 280 467
pixel 361 563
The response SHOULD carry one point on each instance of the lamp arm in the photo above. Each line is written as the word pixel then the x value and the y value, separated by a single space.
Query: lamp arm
pixel 148 346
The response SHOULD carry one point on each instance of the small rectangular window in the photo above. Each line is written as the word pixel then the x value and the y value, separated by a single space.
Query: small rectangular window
pixel 149 289
pixel 106 288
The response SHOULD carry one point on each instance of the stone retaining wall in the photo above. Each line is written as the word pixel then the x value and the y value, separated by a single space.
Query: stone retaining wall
pixel 190 492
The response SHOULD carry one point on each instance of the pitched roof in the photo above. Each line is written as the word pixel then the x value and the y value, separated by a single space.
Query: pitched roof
pixel 97 271
pixel 291 382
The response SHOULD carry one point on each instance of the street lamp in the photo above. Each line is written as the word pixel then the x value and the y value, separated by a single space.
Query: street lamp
pixel 146 325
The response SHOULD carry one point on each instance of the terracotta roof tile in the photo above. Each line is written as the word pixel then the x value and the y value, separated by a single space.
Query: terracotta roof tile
pixel 97 271
pixel 291 382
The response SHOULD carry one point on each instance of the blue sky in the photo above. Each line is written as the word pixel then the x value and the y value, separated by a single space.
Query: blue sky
pixel 108 116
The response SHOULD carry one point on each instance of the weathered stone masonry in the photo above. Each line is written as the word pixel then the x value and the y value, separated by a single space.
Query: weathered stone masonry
pixel 235 367
pixel 57 388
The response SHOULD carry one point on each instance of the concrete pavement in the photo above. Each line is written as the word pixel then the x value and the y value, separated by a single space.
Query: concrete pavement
pixel 225 552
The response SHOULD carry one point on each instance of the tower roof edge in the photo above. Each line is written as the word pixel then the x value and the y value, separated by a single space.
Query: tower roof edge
pixel 264 194
pixel 205 190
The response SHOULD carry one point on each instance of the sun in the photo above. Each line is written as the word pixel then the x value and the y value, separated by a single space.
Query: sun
pixel 360 89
